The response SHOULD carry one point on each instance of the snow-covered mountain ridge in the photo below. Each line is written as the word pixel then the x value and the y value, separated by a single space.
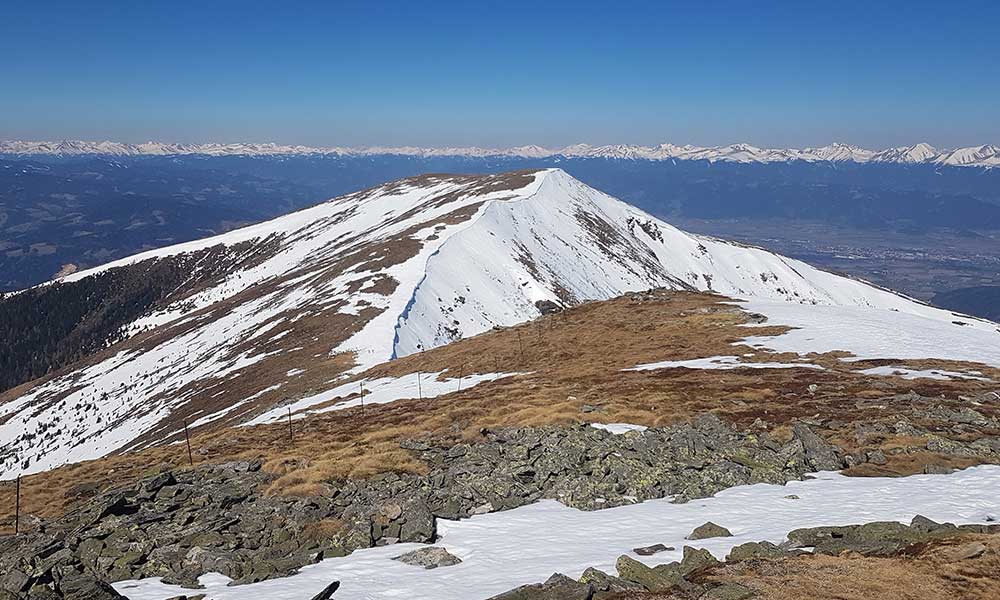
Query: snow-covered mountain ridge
pixel 973 156
pixel 348 284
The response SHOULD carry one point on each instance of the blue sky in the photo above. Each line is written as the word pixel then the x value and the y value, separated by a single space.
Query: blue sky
pixel 502 73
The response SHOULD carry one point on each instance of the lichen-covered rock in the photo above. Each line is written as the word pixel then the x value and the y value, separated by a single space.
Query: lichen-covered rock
pixel 751 550
pixel 557 587
pixel 708 530
pixel 819 455
pixel 652 579
pixel 881 538
pixel 429 558
pixel 606 585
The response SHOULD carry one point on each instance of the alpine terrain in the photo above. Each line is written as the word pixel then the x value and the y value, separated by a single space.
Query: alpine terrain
pixel 529 373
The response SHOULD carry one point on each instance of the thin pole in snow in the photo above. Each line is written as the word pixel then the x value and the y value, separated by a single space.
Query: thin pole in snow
pixel 420 393
pixel 362 398
pixel 187 439
pixel 291 438
pixel 460 372
pixel 17 506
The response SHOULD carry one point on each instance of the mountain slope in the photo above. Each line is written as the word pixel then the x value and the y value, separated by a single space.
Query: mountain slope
pixel 291 307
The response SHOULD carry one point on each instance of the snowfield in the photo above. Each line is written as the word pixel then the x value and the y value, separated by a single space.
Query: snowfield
pixel 503 550
pixel 872 333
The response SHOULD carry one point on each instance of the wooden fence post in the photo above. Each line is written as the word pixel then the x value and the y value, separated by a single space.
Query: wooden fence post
pixel 420 393
pixel 187 439
pixel 362 398
pixel 17 505
pixel 461 371
pixel 291 438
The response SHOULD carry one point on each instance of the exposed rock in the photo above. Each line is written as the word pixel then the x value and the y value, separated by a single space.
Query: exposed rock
pixel 752 550
pixel 881 538
pixel 547 307
pixel 327 592
pixel 653 580
pixel 696 558
pixel 80 586
pixel 651 550
pixel 933 469
pixel 429 558
pixel 604 584
pixel 819 455
pixel 876 457
pixel 708 530
pixel 557 587
pixel 968 551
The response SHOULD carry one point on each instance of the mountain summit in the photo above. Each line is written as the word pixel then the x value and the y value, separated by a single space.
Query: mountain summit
pixel 251 318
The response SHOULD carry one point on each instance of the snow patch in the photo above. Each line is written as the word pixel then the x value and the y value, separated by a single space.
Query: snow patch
pixel 913 332
pixel 618 428
pixel 720 362
pixel 939 374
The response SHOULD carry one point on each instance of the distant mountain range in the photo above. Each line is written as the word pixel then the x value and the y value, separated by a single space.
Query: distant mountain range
pixel 974 156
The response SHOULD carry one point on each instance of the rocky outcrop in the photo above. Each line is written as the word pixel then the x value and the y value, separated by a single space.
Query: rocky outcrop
pixel 696 576
pixel 181 525
pixel 883 538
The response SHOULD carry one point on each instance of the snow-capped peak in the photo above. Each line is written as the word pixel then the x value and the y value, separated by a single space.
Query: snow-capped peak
pixel 981 156
pixel 916 153
pixel 355 281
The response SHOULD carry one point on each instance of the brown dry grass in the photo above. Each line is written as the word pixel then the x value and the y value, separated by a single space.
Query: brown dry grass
pixel 934 574
pixel 571 359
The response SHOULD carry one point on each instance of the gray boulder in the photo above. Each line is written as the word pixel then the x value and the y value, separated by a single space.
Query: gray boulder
pixel 557 587
pixel 654 580
pixel 429 558
pixel 708 530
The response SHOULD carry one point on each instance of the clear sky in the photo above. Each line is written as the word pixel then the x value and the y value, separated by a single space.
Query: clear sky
pixel 361 73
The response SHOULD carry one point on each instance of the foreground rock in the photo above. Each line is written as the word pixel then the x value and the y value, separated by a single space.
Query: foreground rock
pixel 429 558
pixel 884 538
pixel 709 530
pixel 181 525
pixel 698 575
